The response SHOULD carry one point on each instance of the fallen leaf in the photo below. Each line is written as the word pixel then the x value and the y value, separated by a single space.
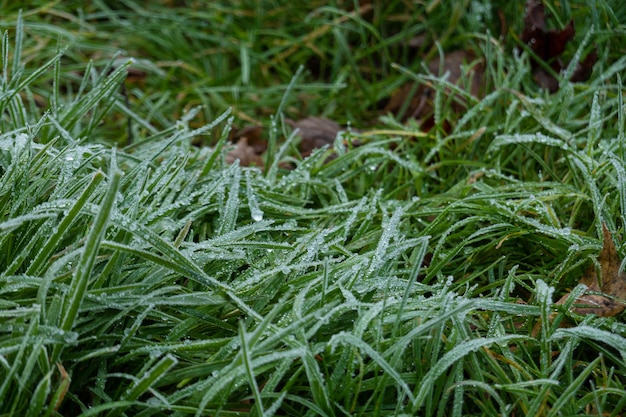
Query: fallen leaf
pixel 606 294
pixel 249 146
pixel 315 132
pixel 583 69
pixel 548 45
pixel 253 135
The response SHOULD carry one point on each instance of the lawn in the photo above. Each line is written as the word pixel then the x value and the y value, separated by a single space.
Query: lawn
pixel 323 208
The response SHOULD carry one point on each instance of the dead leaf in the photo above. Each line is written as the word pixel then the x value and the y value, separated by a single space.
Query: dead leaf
pixel 611 283
pixel 548 45
pixel 249 146
pixel 64 385
pixel 315 132
pixel 583 69
pixel 253 135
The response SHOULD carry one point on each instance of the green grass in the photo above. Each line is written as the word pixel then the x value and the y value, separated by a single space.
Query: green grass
pixel 140 274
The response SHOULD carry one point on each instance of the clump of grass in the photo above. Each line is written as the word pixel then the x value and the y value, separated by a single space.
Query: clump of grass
pixel 399 277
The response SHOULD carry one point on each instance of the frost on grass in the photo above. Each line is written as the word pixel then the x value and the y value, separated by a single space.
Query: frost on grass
pixel 539 138
pixel 255 212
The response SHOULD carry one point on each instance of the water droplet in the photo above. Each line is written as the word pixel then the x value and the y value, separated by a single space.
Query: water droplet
pixel 257 215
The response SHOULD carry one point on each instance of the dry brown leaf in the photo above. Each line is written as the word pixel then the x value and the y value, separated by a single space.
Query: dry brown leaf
pixel 583 69
pixel 611 283
pixel 245 154
pixel 548 45
pixel 253 135
pixel 249 146
pixel 315 132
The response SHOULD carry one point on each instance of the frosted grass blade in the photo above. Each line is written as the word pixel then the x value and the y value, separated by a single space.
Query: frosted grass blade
pixel 101 92
pixel 583 332
pixel 417 265
pixel 451 357
pixel 350 339
pixel 146 381
pixel 19 40
pixel 247 362
pixel 39 396
pixel 253 204
pixel 230 210
pixel 595 124
pixel 14 223
pixel 565 398
pixel 35 267
pixel 79 282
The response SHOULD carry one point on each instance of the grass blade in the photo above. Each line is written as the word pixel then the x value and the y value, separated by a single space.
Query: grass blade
pixel 247 361
pixel 81 277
